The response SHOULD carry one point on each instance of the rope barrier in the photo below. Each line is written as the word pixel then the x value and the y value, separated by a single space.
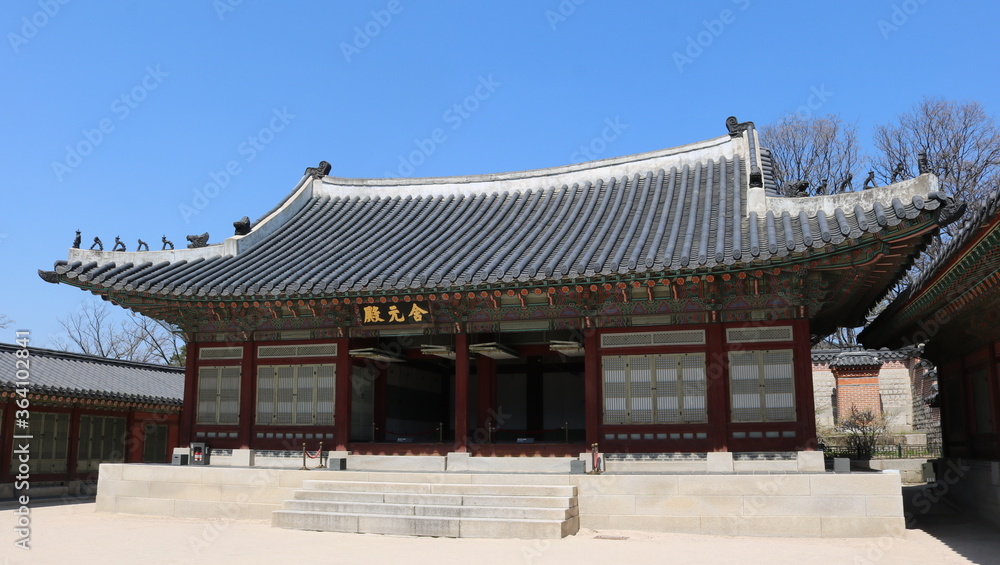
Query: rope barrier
pixel 319 453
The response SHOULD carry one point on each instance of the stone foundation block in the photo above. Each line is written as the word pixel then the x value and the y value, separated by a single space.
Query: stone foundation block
pixel 720 462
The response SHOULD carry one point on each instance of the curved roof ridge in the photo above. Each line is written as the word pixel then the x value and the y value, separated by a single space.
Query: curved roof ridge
pixel 553 177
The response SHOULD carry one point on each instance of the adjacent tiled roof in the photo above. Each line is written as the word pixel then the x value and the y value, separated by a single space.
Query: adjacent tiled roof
pixel 856 359
pixel 848 357
pixel 674 210
pixel 86 376
pixel 958 281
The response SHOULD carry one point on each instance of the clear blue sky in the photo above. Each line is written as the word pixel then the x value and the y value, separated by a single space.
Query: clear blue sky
pixel 184 89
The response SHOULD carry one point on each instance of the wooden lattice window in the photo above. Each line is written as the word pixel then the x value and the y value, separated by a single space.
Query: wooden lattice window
pixel 296 394
pixel 655 389
pixel 762 386
pixel 49 441
pixel 101 440
pixel 219 395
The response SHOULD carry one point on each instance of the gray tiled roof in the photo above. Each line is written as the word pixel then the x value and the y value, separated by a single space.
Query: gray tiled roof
pixel 856 359
pixel 74 374
pixel 969 228
pixel 882 355
pixel 674 210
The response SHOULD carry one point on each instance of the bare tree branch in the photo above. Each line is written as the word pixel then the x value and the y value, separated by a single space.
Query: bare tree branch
pixel 93 330
pixel 821 150
pixel 961 141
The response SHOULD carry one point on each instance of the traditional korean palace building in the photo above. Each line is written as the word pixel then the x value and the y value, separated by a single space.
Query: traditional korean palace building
pixel 77 411
pixel 953 312
pixel 653 303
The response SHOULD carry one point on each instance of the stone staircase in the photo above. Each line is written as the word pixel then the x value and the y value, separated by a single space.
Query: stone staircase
pixel 422 504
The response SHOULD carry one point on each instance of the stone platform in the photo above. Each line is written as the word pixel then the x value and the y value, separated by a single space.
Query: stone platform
pixel 761 503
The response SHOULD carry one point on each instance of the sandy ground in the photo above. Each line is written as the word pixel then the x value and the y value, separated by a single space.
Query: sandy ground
pixel 75 533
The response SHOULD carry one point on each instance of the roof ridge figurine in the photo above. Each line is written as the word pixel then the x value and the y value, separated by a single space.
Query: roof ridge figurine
pixel 318 172
pixel 869 179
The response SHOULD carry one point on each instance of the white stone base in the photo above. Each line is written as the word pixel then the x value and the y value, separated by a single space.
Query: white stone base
pixel 792 504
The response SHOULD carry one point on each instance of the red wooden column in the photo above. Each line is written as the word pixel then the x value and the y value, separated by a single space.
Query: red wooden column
pixel 717 378
pixel 461 392
pixel 7 441
pixel 592 385
pixel 993 384
pixel 73 437
pixel 248 393
pixel 342 396
pixel 133 430
pixel 804 400
pixel 189 411
pixel 173 434
pixel 486 373
pixel 380 389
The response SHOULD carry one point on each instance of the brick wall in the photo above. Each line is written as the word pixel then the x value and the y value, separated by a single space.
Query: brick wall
pixel 857 388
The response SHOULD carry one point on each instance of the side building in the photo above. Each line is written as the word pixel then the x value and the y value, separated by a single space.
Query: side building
pixel 952 311
pixel 654 303
pixel 81 410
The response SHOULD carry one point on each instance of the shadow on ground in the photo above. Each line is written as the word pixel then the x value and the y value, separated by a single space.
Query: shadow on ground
pixel 10 504
pixel 968 534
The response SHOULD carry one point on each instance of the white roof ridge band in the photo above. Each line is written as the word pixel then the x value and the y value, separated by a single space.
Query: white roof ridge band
pixel 535 179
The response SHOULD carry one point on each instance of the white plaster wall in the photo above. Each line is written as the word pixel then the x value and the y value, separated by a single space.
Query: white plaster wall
pixel 823 385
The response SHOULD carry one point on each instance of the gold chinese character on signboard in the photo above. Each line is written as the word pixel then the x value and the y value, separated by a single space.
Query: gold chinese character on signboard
pixel 372 314
pixel 395 315
pixel 417 313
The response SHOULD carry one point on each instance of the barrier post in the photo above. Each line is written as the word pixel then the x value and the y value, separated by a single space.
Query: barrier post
pixel 319 455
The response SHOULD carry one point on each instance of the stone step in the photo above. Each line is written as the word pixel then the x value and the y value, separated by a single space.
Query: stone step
pixel 425 525
pixel 443 478
pixel 433 499
pixel 448 511
pixel 433 505
pixel 430 488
